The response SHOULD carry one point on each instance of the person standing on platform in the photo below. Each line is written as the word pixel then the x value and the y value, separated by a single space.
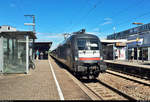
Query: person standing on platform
pixel 132 56
pixel 41 55
pixel 116 55
pixel 37 55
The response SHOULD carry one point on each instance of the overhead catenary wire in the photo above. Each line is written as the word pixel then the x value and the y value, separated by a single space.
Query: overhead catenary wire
pixel 125 22
pixel 80 10
pixel 121 11
pixel 88 13
pixel 83 18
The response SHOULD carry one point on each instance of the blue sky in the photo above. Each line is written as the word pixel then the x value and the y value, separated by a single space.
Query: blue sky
pixel 55 17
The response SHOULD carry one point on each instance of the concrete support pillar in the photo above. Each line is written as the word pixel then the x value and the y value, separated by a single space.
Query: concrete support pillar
pixel 27 54
pixel 127 53
pixel 138 54
pixel 1 55
pixel 148 53
pixel 114 54
pixel 33 50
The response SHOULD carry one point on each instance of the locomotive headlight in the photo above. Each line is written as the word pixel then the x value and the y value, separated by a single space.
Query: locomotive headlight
pixel 76 58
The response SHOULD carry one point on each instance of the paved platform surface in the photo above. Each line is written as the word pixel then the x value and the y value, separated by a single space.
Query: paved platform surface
pixel 145 64
pixel 39 84
pixel 70 90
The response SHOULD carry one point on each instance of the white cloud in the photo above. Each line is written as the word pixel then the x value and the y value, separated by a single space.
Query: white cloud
pixel 106 21
pixel 55 44
pixel 96 30
pixel 20 29
pixel 49 35
pixel 102 37
pixel 54 36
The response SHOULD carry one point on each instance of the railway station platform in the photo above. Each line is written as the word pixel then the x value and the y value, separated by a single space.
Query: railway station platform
pixel 134 63
pixel 48 81
pixel 136 68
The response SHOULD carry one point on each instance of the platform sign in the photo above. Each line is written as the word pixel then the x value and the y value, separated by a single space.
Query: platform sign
pixel 137 39
pixel 120 44
pixel 136 42
pixel 140 41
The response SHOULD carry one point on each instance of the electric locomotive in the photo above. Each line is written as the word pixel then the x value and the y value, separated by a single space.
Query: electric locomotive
pixel 82 53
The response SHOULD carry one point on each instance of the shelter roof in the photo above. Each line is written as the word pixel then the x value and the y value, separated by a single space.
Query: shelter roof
pixel 16 34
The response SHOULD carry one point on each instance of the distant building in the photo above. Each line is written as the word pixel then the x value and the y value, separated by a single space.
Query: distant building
pixel 131 32
pixel 138 41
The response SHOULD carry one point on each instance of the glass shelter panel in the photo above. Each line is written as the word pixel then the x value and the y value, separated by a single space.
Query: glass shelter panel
pixel 14 55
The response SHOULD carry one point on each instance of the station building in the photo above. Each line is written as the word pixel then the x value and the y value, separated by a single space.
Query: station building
pixel 16 50
pixel 138 43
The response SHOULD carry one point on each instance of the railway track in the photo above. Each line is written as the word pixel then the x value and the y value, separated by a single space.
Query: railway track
pixel 131 87
pixel 137 75
pixel 98 90
pixel 105 92
pixel 135 71
pixel 130 77
pixel 116 86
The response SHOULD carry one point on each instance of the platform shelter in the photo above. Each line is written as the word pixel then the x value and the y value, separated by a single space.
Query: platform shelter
pixel 16 51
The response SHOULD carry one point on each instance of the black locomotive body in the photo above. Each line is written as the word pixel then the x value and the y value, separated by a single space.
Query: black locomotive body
pixel 82 53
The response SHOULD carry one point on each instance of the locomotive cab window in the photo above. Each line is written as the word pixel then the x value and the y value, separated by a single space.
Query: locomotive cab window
pixel 94 45
pixel 81 44
pixel 88 44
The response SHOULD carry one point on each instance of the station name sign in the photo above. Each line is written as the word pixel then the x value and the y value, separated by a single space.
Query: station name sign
pixel 136 41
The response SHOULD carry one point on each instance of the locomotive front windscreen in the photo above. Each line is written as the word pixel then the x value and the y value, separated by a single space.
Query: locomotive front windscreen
pixel 88 44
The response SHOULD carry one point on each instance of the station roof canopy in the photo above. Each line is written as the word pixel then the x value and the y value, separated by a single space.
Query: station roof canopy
pixel 18 34
pixel 43 42
pixel 42 45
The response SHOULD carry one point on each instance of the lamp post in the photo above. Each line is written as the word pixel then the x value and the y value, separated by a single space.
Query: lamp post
pixel 114 52
pixel 137 38
pixel 32 24
pixel 114 28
